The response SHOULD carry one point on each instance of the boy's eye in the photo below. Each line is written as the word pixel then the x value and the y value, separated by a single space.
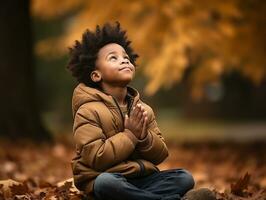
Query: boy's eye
pixel 126 57
pixel 112 58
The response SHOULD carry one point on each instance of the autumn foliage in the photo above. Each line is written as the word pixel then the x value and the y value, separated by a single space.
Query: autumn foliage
pixel 210 38
pixel 232 170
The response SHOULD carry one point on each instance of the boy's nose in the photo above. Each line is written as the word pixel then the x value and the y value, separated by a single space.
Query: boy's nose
pixel 125 62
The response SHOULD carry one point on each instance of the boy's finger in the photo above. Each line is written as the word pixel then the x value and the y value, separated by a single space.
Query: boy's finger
pixel 140 123
pixel 145 113
pixel 142 108
pixel 139 115
pixel 143 134
pixel 126 121
pixel 135 111
pixel 139 106
pixel 142 113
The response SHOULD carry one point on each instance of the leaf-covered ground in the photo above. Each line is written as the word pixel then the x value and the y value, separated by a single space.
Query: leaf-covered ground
pixel 233 171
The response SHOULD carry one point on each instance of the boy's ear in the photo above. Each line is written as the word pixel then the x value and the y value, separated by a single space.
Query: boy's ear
pixel 96 76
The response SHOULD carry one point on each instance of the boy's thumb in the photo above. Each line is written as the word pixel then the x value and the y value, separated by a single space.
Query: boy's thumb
pixel 126 119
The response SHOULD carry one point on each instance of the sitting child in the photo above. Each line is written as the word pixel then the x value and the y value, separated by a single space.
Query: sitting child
pixel 118 142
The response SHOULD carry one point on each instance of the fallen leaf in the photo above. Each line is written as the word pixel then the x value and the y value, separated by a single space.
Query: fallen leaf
pixel 240 186
pixel 20 189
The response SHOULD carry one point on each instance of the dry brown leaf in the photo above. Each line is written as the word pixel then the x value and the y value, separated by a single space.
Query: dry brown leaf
pixel 20 189
pixel 213 166
pixel 5 189
pixel 239 188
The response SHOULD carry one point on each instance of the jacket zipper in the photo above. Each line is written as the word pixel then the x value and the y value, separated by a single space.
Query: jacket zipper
pixel 129 108
pixel 119 110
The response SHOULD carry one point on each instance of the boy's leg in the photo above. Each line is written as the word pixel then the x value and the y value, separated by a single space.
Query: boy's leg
pixel 170 184
pixel 114 186
pixel 164 185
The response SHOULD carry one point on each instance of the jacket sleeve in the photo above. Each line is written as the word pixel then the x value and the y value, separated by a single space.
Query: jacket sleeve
pixel 97 151
pixel 152 147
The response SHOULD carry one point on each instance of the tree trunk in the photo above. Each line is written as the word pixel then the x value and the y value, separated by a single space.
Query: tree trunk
pixel 19 117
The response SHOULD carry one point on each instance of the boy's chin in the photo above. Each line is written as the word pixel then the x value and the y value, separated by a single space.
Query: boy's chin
pixel 124 83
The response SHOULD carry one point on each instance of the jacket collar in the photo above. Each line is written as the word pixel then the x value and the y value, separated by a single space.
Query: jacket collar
pixel 83 94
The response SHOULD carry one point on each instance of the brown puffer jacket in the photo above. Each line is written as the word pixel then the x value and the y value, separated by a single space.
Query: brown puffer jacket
pixel 102 143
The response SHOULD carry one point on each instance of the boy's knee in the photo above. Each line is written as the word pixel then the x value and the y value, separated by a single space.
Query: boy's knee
pixel 105 182
pixel 188 179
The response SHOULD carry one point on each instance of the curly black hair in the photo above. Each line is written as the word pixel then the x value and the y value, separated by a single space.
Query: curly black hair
pixel 84 53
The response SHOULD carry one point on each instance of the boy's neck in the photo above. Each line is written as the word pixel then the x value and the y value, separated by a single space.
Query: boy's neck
pixel 119 93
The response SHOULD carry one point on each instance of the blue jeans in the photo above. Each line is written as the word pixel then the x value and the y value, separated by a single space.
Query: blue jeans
pixel 163 185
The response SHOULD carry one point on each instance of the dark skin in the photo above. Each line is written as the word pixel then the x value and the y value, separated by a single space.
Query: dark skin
pixel 113 72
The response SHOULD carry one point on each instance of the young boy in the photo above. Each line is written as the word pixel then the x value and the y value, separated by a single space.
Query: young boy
pixel 118 142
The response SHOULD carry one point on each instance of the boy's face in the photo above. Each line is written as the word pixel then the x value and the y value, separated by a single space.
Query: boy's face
pixel 113 66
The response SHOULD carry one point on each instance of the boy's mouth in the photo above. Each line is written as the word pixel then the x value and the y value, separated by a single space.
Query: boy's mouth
pixel 126 68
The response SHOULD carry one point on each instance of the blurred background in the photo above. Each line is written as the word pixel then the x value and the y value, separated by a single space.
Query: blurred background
pixel 202 65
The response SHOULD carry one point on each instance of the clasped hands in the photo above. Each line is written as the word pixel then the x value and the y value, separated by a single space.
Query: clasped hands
pixel 137 121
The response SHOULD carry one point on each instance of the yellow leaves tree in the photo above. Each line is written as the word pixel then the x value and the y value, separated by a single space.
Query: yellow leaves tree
pixel 212 37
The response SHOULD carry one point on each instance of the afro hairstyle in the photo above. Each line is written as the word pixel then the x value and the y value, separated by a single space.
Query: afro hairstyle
pixel 84 53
